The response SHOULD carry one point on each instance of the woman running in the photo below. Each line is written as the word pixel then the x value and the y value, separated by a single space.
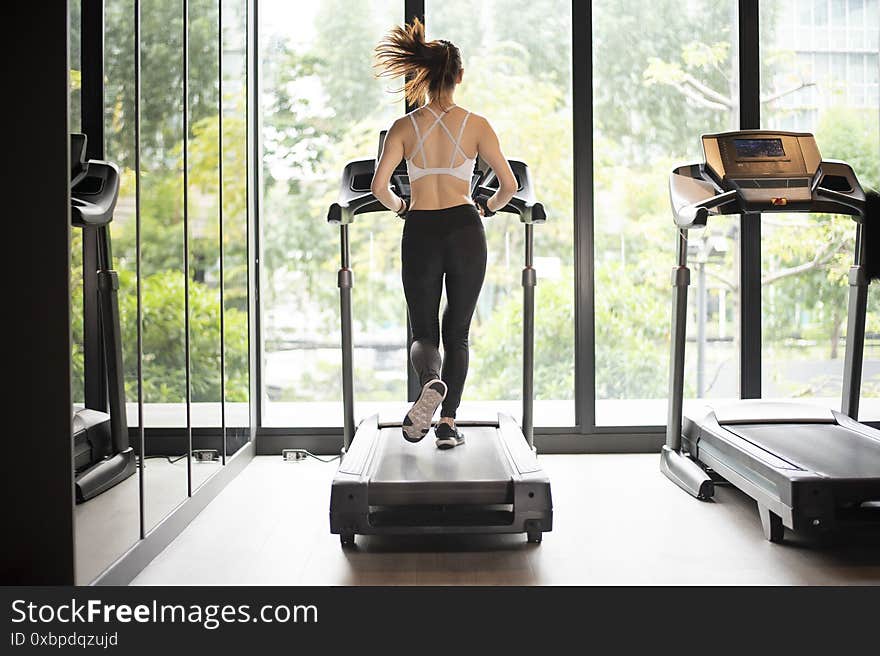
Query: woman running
pixel 443 239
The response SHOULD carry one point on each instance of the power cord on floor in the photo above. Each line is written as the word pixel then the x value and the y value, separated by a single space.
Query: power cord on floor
pixel 168 458
pixel 298 455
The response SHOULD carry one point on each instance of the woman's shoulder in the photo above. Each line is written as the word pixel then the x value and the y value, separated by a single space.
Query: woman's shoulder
pixel 476 119
pixel 396 125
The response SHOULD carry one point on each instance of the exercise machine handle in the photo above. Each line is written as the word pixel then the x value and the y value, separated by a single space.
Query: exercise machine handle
pixel 529 212
pixel 696 214
pixel 343 212
pixel 848 201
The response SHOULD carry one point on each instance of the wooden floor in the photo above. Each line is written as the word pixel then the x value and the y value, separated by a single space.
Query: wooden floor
pixel 617 520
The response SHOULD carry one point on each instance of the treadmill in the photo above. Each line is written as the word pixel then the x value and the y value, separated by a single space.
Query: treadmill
pixel 386 485
pixel 809 469
pixel 102 454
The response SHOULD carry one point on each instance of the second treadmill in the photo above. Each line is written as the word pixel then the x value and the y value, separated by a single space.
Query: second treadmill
pixel 807 468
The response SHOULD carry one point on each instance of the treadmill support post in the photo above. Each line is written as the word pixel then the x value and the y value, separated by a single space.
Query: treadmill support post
pixel 529 281
pixel 345 281
pixel 681 279
pixel 108 295
pixel 678 467
pixel 855 328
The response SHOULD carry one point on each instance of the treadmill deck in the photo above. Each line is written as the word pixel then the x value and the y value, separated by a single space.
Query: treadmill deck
pixel 828 450
pixel 404 473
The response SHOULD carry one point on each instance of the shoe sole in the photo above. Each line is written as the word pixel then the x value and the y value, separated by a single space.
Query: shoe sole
pixel 417 421
pixel 445 443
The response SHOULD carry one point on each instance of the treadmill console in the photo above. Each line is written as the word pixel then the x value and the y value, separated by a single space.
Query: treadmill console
pixel 765 167
pixel 752 171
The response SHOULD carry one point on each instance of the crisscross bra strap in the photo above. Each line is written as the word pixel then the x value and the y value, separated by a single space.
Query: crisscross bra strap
pixel 438 120
pixel 457 141
pixel 420 146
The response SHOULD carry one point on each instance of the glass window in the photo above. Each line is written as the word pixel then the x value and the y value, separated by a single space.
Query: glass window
pixel 652 98
pixel 321 107
pixel 161 150
pixel 805 258
pixel 521 81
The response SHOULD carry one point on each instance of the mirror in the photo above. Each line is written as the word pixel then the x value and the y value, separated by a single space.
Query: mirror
pixel 106 516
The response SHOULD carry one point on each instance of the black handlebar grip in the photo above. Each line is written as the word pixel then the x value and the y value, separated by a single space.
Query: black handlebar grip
pixel 538 214
pixel 334 215
pixel 482 201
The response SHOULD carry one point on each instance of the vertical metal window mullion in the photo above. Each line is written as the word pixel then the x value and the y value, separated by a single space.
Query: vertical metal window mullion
pixel 220 227
pixel 411 9
pixel 137 258
pixel 92 125
pixel 750 224
pixel 186 308
pixel 584 263
pixel 252 118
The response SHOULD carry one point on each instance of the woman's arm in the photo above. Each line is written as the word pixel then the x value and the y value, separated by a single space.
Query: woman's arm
pixel 489 149
pixel 392 153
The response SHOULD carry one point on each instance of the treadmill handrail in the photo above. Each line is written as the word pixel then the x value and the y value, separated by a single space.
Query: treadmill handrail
pixel 855 204
pixel 352 201
pixel 95 207
pixel 696 215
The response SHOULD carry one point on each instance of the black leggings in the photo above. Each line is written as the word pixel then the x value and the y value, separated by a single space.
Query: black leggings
pixel 437 243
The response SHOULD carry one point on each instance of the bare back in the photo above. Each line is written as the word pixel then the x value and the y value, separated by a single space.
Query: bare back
pixel 423 141
pixel 437 151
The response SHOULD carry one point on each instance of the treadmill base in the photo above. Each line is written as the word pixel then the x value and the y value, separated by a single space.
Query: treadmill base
pixel 494 486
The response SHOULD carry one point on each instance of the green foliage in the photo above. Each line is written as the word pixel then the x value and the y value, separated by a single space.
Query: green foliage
pixel 811 304
pixel 346 73
pixel 643 119
pixel 496 366
pixel 161 75
pixel 163 335
pixel 163 311
pixel 631 327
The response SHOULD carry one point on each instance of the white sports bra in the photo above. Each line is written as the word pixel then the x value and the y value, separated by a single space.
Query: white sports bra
pixel 463 171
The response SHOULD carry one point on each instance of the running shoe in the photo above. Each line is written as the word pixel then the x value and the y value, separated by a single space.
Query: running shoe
pixel 448 436
pixel 417 422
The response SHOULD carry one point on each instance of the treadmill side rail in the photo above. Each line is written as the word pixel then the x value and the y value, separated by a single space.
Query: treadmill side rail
pixel 360 452
pixel 522 457
pixel 532 500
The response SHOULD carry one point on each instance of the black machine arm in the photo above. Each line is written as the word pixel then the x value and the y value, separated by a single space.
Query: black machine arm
pixel 523 202
pixel 94 186
pixel 355 196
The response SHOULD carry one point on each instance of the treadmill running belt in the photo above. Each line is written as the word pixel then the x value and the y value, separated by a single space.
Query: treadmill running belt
pixel 475 472
pixel 826 449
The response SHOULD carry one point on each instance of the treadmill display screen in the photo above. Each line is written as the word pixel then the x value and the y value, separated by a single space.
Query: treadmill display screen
pixel 758 148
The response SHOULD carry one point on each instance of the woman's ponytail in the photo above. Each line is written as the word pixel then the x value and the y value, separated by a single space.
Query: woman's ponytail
pixel 429 67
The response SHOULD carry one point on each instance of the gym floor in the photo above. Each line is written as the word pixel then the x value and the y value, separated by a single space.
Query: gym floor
pixel 617 520
pixel 107 525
